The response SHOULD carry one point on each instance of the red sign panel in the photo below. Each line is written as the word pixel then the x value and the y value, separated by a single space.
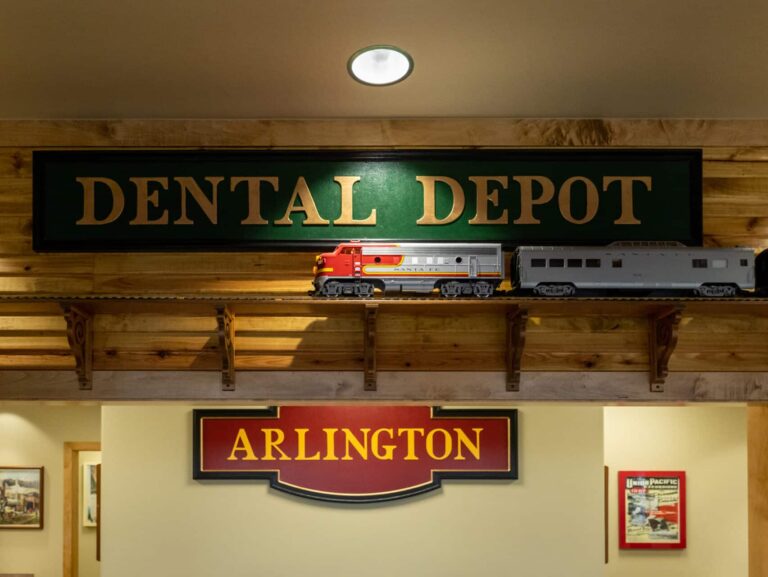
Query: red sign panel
pixel 355 453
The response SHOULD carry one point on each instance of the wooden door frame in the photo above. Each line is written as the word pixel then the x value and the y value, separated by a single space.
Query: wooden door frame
pixel 71 502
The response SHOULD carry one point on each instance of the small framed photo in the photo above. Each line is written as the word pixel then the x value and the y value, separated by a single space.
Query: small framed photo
pixel 90 494
pixel 652 510
pixel 21 497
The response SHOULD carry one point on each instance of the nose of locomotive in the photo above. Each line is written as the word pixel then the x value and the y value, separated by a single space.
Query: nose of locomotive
pixel 320 261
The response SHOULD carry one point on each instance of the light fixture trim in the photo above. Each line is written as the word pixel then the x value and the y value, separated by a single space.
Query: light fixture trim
pixel 399 53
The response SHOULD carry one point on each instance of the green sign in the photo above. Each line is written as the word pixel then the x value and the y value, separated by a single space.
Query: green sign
pixel 305 200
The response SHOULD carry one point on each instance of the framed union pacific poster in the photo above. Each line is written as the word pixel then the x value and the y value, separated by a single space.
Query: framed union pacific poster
pixel 652 510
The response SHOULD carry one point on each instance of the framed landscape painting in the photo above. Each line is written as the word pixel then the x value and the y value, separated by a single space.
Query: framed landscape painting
pixel 652 510
pixel 21 497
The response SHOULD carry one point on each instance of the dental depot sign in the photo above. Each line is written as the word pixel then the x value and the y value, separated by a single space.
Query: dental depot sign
pixel 357 454
pixel 159 200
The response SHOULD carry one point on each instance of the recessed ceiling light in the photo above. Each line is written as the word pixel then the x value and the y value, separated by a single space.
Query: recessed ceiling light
pixel 380 65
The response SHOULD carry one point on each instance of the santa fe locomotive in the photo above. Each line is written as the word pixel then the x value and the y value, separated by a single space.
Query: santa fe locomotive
pixel 466 269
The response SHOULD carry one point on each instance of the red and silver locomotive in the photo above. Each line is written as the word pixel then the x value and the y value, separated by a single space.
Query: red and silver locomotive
pixel 357 269
pixel 465 269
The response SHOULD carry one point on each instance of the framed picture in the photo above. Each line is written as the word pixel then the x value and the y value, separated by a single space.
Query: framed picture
pixel 90 494
pixel 652 510
pixel 21 497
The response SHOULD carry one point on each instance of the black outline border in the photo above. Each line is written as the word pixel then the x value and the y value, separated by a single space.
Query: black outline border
pixel 437 477
pixel 40 243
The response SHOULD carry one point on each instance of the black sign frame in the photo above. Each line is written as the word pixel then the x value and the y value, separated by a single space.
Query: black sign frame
pixel 42 216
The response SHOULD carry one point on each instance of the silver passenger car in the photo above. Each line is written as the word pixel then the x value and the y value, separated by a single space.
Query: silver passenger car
pixel 642 266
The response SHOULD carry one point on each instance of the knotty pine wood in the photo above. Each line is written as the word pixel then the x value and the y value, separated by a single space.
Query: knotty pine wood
pixel 414 341
pixel 595 337
pixel 730 139
pixel 735 213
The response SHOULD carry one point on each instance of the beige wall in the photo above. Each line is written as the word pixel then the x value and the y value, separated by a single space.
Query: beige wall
pixel 158 521
pixel 710 445
pixel 176 526
pixel 33 436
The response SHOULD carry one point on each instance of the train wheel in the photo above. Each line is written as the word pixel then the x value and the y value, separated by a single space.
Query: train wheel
pixel 331 288
pixel 482 289
pixel 364 289
pixel 716 290
pixel 555 290
pixel 452 289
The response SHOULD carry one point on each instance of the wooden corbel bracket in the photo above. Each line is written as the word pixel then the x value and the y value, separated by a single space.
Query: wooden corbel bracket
pixel 517 320
pixel 80 338
pixel 662 340
pixel 369 346
pixel 226 324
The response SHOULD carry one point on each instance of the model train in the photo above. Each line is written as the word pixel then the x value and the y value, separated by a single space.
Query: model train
pixel 466 269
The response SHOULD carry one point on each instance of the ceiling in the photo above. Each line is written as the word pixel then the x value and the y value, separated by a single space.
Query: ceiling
pixel 287 58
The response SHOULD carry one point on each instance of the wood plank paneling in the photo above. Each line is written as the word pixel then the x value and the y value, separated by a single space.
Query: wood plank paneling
pixel 583 336
pixel 256 265
pixel 734 135
pixel 161 282
pixel 754 226
pixel 736 170
pixel 37 360
pixel 16 196
pixel 465 340
pixel 15 162
pixel 16 227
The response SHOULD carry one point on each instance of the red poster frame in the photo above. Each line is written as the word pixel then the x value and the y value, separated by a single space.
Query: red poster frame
pixel 626 542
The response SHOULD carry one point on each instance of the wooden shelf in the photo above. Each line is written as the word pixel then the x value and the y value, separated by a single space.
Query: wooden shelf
pixel 240 334
pixel 611 306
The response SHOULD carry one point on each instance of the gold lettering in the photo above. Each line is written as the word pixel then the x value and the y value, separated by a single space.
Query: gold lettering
pixel 273 438
pixel 347 184
pixel 89 200
pixel 483 198
pixel 564 200
pixel 389 450
pixel 431 444
pixel 330 445
pixel 187 184
pixel 457 200
pixel 301 440
pixel 254 195
pixel 242 444
pixel 527 201
pixel 144 198
pixel 361 448
pixel 627 199
pixel 463 441
pixel 307 206
pixel 410 435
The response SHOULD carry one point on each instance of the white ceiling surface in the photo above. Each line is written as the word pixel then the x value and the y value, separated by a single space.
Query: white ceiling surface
pixel 287 58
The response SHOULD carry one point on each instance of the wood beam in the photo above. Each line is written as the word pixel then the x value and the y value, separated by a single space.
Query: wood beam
pixel 662 340
pixel 369 346
pixel 392 386
pixel 517 318
pixel 80 338
pixel 226 326
pixel 403 132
